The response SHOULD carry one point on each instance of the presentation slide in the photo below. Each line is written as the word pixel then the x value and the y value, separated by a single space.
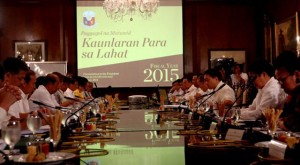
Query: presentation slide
pixel 135 52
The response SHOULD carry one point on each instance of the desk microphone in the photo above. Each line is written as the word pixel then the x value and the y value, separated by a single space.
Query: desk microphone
pixel 180 106
pixel 49 106
pixel 73 99
pixel 79 109
pixel 78 97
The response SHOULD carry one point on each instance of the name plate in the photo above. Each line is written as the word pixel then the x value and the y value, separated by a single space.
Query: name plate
pixel 234 134
pixel 277 149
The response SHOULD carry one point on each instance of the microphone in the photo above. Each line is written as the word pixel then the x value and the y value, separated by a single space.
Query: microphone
pixel 78 97
pixel 41 115
pixel 176 106
pixel 49 106
pixel 74 99
pixel 95 85
pixel 79 109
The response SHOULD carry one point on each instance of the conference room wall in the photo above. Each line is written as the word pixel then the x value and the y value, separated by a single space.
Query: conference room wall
pixel 208 24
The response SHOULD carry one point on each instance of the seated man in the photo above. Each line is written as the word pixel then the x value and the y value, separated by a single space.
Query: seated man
pixel 59 94
pixel 88 91
pixel 269 95
pixel 44 93
pixel 224 95
pixel 79 92
pixel 176 89
pixel 72 86
pixel 286 65
pixel 202 88
pixel 20 109
pixel 190 89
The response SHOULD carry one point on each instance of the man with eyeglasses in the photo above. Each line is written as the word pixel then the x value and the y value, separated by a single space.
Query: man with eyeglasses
pixel 287 65
pixel 269 94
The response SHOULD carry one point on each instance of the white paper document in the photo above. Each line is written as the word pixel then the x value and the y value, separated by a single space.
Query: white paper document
pixel 234 134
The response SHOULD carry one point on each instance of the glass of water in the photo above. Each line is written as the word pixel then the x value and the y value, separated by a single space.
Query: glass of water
pixel 34 122
pixel 11 134
pixel 236 113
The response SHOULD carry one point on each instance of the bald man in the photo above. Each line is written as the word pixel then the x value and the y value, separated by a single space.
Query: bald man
pixel 44 93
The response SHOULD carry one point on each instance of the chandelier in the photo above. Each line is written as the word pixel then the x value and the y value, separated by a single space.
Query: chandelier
pixel 116 9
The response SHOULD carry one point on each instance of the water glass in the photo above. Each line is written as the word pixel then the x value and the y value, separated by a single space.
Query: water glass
pixel 55 135
pixel 82 118
pixel 34 122
pixel 11 134
pixel 235 114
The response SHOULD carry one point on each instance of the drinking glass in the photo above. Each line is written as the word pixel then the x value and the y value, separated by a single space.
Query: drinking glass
pixel 55 135
pixel 236 113
pixel 272 128
pixel 94 110
pixel 11 134
pixel 66 114
pixel 82 118
pixel 34 122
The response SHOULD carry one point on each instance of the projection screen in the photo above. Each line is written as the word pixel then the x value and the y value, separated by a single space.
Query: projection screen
pixel 130 53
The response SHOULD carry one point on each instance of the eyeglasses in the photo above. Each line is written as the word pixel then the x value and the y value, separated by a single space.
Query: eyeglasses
pixel 282 80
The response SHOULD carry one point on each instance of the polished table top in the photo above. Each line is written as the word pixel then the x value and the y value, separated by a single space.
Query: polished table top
pixel 139 140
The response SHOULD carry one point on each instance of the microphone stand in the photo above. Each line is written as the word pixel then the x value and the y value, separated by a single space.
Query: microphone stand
pixel 42 104
pixel 223 123
pixel 73 99
pixel 67 129
pixel 209 96
pixel 79 109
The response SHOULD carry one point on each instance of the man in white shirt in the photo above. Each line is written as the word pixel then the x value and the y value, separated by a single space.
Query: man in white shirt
pixel 176 89
pixel 239 81
pixel 224 95
pixel 238 76
pixel 202 88
pixel 270 94
pixel 72 86
pixel 15 71
pixel 59 94
pixel 20 109
pixel 190 89
pixel 44 93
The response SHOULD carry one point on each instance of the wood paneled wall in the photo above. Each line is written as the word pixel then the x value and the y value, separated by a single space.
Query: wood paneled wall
pixel 217 26
pixel 50 21
pixel 208 24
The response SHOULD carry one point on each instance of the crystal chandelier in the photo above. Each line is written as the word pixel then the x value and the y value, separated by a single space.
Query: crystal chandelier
pixel 116 9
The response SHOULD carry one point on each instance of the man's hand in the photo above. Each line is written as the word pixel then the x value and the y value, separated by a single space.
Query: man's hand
pixel 9 94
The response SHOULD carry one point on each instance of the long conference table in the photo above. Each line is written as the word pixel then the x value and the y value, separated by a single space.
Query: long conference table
pixel 140 139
